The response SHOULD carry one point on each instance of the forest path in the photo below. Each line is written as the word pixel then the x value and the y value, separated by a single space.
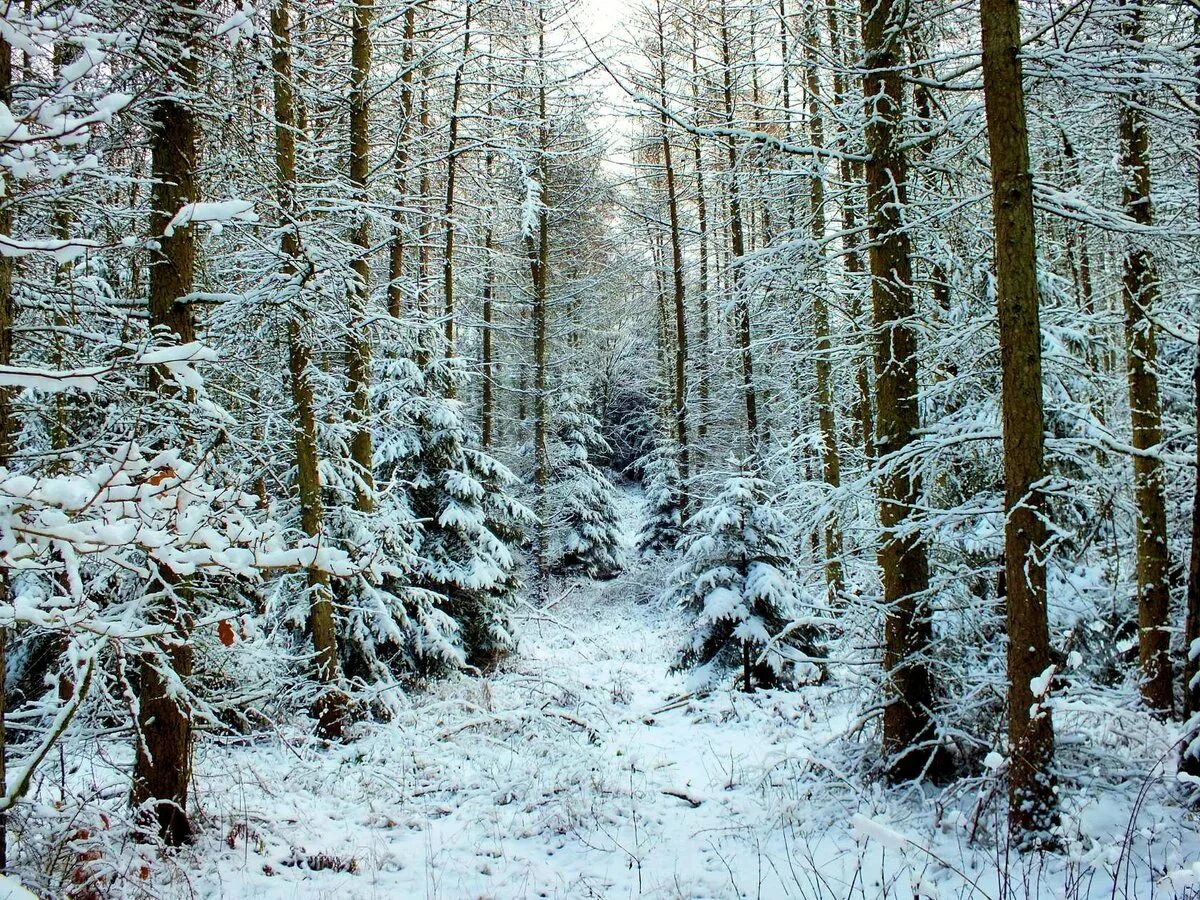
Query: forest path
pixel 574 772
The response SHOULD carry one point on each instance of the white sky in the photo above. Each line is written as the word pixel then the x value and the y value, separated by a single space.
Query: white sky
pixel 602 20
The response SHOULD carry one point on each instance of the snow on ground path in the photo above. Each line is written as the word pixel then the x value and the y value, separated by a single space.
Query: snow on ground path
pixel 565 775
pixel 577 771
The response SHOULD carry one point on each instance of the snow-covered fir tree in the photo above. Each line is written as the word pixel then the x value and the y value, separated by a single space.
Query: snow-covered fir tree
pixel 470 524
pixel 663 528
pixel 592 542
pixel 735 585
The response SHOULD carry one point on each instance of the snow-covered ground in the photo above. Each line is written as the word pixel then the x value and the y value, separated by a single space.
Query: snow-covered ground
pixel 577 772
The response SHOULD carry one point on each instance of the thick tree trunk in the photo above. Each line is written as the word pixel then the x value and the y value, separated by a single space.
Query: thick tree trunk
pixel 331 707
pixel 1140 291
pixel 1031 801
pixel 358 339
pixel 909 741
pixel 162 767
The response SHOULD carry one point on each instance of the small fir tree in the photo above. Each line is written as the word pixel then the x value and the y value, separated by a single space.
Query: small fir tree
pixel 470 523
pixel 592 542
pixel 734 582
pixel 663 528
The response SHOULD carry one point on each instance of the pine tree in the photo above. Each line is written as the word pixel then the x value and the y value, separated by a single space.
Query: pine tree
pixel 589 517
pixel 470 524
pixel 734 580
pixel 663 527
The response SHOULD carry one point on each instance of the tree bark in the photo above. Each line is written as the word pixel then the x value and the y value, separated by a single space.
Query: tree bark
pixel 162 765
pixel 331 706
pixel 678 293
pixel 538 250
pixel 487 400
pixel 396 248
pixel 1190 762
pixel 702 253
pixel 737 240
pixel 8 429
pixel 831 460
pixel 358 339
pixel 1031 800
pixel 909 741
pixel 451 186
pixel 849 173
pixel 1139 294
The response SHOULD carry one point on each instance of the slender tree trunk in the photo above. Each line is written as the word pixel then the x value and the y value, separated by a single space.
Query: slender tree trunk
pixel 831 463
pixel 1191 644
pixel 702 252
pixel 331 707
pixel 423 230
pixel 1140 291
pixel 850 175
pixel 487 401
pixel 1031 801
pixel 538 248
pixel 741 300
pixel 678 293
pixel 7 433
pixel 396 247
pixel 908 734
pixel 162 765
pixel 451 186
pixel 358 339
pixel 1190 762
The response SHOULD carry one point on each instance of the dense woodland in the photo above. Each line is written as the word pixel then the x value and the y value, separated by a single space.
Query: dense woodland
pixel 346 345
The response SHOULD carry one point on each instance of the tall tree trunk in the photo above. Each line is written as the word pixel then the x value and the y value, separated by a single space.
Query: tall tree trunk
pixel 358 339
pixel 737 240
pixel 8 431
pixel 1191 644
pixel 162 765
pixel 908 734
pixel 538 249
pixel 831 461
pixel 426 224
pixel 1140 291
pixel 702 253
pixel 487 400
pixel 451 186
pixel 1190 761
pixel 1031 802
pixel 678 293
pixel 331 707
pixel 850 175
pixel 396 248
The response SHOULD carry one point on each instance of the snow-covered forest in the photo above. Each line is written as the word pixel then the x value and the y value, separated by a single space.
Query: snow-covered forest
pixel 564 449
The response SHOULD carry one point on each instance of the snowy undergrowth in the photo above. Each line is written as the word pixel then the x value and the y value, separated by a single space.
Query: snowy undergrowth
pixel 579 771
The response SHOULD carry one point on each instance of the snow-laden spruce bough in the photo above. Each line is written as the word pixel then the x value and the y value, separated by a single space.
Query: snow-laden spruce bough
pixel 450 450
